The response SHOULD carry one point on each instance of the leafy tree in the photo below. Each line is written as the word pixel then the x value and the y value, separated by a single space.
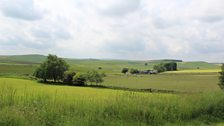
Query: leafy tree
pixel 80 79
pixel 52 68
pixel 41 72
pixel 94 77
pixel 146 64
pixel 124 70
pixel 221 77
pixel 68 77
pixel 160 67
pixel 134 71
pixel 172 66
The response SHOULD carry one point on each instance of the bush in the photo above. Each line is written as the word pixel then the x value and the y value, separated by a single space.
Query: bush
pixel 134 71
pixel 79 79
pixel 221 77
pixel 124 70
pixel 172 66
pixel 162 67
pixel 68 77
pixel 94 77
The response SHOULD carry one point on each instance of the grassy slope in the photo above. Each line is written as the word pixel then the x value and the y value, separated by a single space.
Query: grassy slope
pixel 22 59
pixel 194 65
pixel 24 102
pixel 108 66
pixel 188 78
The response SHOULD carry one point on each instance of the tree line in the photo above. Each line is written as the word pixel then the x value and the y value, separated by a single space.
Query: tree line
pixel 161 67
pixel 57 70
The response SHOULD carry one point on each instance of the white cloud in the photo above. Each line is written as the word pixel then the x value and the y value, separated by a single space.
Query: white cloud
pixel 20 9
pixel 133 29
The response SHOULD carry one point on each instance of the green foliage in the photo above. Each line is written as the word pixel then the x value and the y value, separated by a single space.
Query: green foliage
pixel 52 68
pixel 221 77
pixel 172 66
pixel 162 67
pixel 124 70
pixel 134 71
pixel 79 79
pixel 68 77
pixel 94 77
pixel 41 72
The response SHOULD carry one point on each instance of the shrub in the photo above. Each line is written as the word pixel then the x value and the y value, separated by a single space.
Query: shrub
pixel 68 77
pixel 162 67
pixel 94 77
pixel 134 71
pixel 79 79
pixel 124 70
pixel 221 77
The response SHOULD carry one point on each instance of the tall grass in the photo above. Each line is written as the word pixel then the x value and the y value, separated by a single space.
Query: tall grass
pixel 55 107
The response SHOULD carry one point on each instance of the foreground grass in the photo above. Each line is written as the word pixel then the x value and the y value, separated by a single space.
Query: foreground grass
pixel 24 102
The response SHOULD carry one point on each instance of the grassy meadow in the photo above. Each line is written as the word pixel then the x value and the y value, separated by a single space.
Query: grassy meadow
pixel 176 82
pixel 25 102
pixel 28 103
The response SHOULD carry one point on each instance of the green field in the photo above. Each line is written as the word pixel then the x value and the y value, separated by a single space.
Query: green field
pixel 108 66
pixel 27 103
pixel 187 79
pixel 197 101
pixel 175 82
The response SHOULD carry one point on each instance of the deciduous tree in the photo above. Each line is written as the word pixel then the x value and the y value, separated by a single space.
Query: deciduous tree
pixel 52 68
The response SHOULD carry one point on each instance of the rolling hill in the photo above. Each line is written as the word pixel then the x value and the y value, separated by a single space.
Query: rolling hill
pixel 22 63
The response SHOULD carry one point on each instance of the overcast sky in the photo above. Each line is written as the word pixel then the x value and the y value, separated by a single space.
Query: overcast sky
pixel 118 29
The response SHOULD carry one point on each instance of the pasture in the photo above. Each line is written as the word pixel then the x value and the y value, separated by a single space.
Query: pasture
pixel 25 102
pixel 183 80
pixel 28 103
pixel 187 79
pixel 173 82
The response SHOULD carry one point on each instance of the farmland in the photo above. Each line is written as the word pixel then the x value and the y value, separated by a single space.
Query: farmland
pixel 197 101
pixel 25 102
pixel 176 82
pixel 187 79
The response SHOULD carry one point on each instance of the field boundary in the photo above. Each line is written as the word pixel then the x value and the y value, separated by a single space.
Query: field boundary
pixel 149 90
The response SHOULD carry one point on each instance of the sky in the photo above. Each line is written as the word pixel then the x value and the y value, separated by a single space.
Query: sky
pixel 114 29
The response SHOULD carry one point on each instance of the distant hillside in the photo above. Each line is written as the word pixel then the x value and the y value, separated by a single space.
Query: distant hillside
pixel 167 60
pixel 23 59
pixel 197 64
pixel 107 65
